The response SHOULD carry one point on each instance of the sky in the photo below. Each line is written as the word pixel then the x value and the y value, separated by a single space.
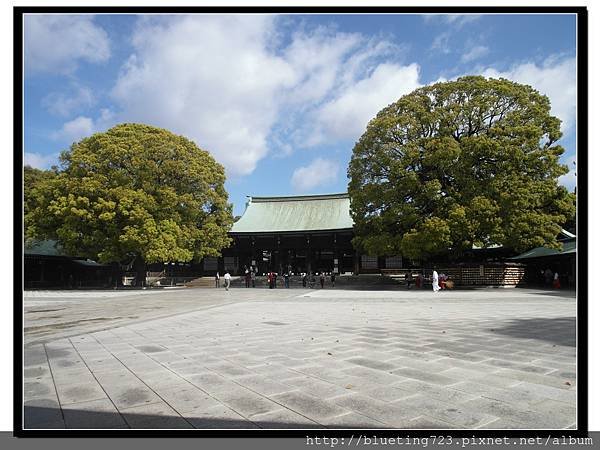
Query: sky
pixel 279 100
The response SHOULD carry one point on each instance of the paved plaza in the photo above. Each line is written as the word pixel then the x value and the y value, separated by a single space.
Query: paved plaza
pixel 259 358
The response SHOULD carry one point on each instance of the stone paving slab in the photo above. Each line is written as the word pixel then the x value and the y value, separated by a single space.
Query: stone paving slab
pixel 389 414
pixel 462 415
pixel 42 413
pixel 153 416
pixel 283 418
pixel 92 415
pixel 305 359
pixel 315 386
pixel 218 417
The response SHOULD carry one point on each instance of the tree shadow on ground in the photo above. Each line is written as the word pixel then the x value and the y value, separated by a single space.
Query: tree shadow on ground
pixel 563 293
pixel 555 330
pixel 52 418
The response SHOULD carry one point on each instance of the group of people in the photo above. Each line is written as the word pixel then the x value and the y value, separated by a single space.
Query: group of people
pixel 309 280
pixel 250 279
pixel 438 281
pixel 551 278
pixel 441 281
pixel 226 280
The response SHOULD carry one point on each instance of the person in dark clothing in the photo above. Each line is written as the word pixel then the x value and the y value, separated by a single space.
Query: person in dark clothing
pixel 332 279
pixel 270 279
pixel 286 280
pixel 304 280
pixel 409 279
pixel 322 280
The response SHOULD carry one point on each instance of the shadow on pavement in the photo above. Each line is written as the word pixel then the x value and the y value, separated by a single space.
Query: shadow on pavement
pixel 557 330
pixel 48 418
pixel 557 293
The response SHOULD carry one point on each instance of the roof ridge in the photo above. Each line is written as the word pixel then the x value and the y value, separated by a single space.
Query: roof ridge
pixel 286 198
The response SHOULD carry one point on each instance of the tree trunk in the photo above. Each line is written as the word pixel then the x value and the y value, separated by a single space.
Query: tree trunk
pixel 139 266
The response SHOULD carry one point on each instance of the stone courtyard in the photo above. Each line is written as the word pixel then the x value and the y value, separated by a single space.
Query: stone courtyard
pixel 259 358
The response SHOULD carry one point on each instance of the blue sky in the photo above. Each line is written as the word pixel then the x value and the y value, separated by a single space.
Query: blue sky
pixel 279 100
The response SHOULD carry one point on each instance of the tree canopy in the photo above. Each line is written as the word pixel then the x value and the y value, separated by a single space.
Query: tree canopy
pixel 134 191
pixel 457 164
pixel 33 181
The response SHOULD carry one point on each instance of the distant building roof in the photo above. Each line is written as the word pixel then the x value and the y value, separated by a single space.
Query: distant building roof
pixel 569 246
pixel 44 248
pixel 295 214
pixel 566 233
pixel 89 263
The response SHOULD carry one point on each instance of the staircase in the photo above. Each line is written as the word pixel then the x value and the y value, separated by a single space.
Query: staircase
pixel 201 282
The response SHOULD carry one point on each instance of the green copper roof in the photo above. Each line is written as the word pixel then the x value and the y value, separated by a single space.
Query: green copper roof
pixel 569 246
pixel 295 214
pixel 44 248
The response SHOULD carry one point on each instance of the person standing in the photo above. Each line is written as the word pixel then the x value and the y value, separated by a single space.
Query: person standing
pixel 253 278
pixel 227 278
pixel 217 279
pixel 286 280
pixel 442 278
pixel 322 279
pixel 435 282
pixel 556 282
pixel 548 275
pixel 409 279
pixel 247 276
pixel 332 279
pixel 304 279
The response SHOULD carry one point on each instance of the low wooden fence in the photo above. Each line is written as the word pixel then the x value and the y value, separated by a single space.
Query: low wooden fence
pixel 508 274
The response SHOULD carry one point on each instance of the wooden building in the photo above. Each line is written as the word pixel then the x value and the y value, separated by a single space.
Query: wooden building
pixel 46 265
pixel 563 262
pixel 296 234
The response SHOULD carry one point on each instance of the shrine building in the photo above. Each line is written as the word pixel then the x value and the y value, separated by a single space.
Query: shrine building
pixel 296 233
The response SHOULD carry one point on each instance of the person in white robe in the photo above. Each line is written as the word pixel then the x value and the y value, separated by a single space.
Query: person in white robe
pixel 435 281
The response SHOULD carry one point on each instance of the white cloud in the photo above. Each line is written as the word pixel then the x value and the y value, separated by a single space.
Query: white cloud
pixel 555 78
pixel 320 172
pixel 64 104
pixel 452 24
pixel 56 43
pixel 82 126
pixel 75 129
pixel 456 20
pixel 459 20
pixel 347 115
pixel 232 86
pixel 39 161
pixel 316 59
pixel 569 180
pixel 474 53
pixel 442 42
pixel 212 79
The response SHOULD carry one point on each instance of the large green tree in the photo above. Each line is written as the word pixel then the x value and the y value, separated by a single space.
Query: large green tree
pixel 33 182
pixel 135 192
pixel 456 164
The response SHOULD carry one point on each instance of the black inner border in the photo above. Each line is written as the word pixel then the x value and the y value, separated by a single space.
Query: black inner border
pixel 582 217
